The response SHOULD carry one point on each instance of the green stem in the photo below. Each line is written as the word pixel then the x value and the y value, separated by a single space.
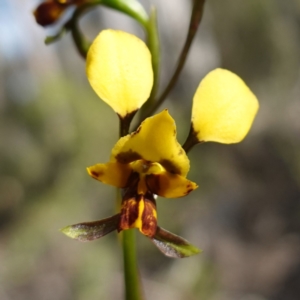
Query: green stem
pixel 81 43
pixel 154 47
pixel 133 289
pixel 132 281
pixel 195 20
pixel 130 7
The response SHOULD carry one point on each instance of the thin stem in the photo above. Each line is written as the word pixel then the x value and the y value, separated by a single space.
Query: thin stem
pixel 154 47
pixel 81 43
pixel 191 140
pixel 195 20
pixel 125 123
pixel 132 281
pixel 131 8
pixel 133 290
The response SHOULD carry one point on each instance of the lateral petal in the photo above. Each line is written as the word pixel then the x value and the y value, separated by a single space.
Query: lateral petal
pixel 169 185
pixel 223 108
pixel 111 173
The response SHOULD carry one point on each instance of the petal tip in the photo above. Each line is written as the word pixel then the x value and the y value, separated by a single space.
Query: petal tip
pixel 92 172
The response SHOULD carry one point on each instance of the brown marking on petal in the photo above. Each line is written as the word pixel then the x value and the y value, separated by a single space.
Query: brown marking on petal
pixel 189 190
pixel 129 213
pixel 95 174
pixel 131 185
pixel 180 151
pixel 153 183
pixel 170 167
pixel 127 157
pixel 137 131
pixel 149 220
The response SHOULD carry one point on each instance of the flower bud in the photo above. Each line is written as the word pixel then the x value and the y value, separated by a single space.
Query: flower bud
pixel 49 12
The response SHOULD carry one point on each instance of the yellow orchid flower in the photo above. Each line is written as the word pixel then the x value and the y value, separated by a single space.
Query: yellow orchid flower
pixel 150 161
pixel 145 163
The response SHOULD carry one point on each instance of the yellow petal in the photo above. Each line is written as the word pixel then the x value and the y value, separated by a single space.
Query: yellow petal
pixel 155 141
pixel 111 173
pixel 169 185
pixel 119 70
pixel 223 108
pixel 117 149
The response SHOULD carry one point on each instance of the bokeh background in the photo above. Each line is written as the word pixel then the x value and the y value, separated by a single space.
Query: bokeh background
pixel 245 214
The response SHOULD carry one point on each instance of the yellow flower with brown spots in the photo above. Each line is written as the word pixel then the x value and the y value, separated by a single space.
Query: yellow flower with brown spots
pixel 150 162
pixel 146 163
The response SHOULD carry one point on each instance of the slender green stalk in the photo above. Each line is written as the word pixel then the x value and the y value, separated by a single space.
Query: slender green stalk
pixel 81 43
pixel 195 20
pixel 133 289
pixel 154 47
pixel 132 281
pixel 130 7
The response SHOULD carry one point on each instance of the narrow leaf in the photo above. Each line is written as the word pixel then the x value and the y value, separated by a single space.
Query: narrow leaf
pixel 89 231
pixel 51 39
pixel 173 245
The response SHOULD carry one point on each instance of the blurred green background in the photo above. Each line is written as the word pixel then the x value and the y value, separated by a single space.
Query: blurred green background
pixel 245 214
